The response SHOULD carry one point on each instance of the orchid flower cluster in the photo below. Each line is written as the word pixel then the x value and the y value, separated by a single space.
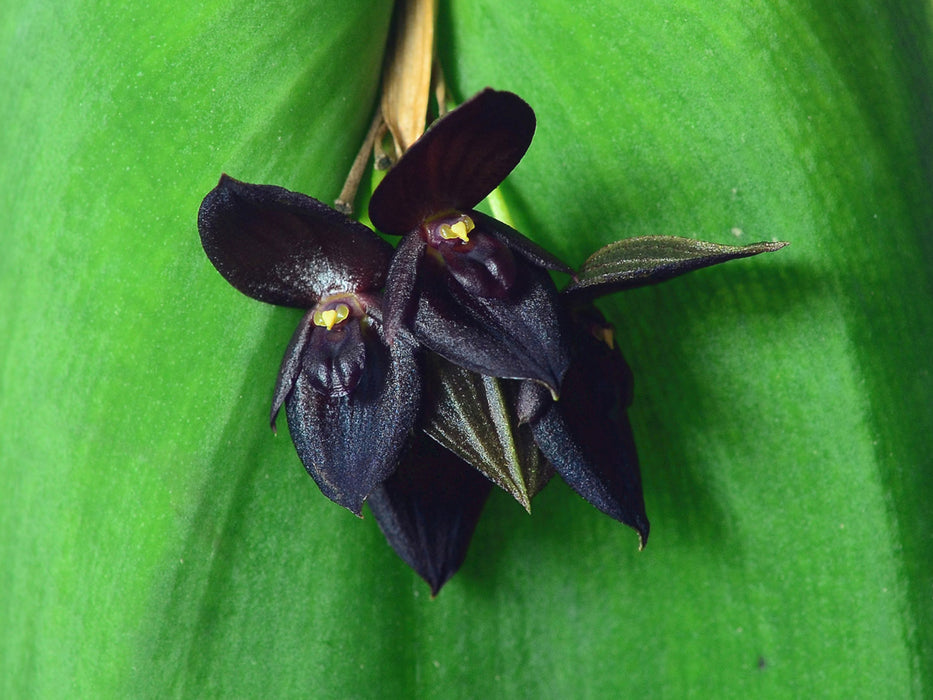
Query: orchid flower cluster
pixel 419 376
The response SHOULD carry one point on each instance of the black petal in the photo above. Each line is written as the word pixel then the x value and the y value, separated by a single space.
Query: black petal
pixel 291 365
pixel 399 297
pixel 456 163
pixel 522 245
pixel 487 269
pixel 586 435
pixel 518 337
pixel 429 508
pixel 636 262
pixel 286 248
pixel 351 443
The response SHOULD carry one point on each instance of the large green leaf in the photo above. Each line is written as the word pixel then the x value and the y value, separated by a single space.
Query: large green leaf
pixel 157 540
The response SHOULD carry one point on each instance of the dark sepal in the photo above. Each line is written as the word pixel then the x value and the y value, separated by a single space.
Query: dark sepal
pixel 286 248
pixel 473 416
pixel 400 295
pixel 456 163
pixel 519 243
pixel 429 508
pixel 484 267
pixel 291 365
pixel 349 444
pixel 636 262
pixel 519 337
pixel 586 435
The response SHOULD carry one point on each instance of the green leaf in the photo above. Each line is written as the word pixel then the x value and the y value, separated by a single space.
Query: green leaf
pixel 474 416
pixel 635 262
pixel 157 541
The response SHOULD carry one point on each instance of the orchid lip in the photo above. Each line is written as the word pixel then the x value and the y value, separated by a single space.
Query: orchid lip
pixel 331 311
pixel 448 228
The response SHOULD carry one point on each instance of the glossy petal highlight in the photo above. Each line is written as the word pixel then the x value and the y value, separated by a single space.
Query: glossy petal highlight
pixel 519 337
pixel 286 248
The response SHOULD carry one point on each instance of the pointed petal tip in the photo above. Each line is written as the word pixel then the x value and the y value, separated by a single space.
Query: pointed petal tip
pixel 523 498
pixel 429 508
pixel 352 502
pixel 436 586
pixel 642 531
pixel 354 505
pixel 552 383
pixel 435 578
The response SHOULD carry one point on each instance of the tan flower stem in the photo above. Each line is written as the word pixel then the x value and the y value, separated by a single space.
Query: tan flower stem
pixel 344 201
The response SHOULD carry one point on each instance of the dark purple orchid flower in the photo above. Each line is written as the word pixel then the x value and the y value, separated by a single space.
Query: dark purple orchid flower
pixel 470 288
pixel 472 291
pixel 350 398
pixel 587 436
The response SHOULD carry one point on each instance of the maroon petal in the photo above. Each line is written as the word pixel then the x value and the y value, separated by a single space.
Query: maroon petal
pixel 586 435
pixel 456 163
pixel 349 444
pixel 286 248
pixel 522 245
pixel 399 298
pixel 520 336
pixel 429 508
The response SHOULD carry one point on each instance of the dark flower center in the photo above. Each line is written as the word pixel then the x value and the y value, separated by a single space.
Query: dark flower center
pixel 478 262
pixel 335 355
pixel 330 317
pixel 448 230
pixel 332 311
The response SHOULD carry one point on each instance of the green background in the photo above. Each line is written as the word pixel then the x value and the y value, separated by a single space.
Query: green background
pixel 156 540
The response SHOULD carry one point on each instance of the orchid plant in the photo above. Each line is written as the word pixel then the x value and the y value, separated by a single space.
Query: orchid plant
pixel 420 376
